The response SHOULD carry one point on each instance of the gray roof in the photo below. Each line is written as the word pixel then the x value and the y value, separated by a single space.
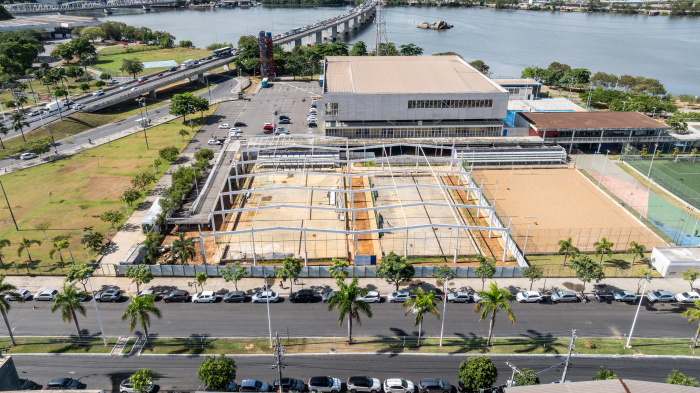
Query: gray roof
pixel 608 386
pixel 680 254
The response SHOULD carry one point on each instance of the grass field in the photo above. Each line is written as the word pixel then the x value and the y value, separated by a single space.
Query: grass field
pixel 73 201
pixel 110 59
pixel 618 265
pixel 59 344
pixel 680 178
pixel 73 90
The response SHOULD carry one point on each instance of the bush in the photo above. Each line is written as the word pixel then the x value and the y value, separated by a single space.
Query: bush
pixel 104 76
pixel 204 154
pixel 169 153
pixel 100 83
pixel 185 44
pixel 84 86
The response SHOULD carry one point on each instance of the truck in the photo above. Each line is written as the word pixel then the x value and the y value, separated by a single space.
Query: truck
pixel 186 64
pixel 54 106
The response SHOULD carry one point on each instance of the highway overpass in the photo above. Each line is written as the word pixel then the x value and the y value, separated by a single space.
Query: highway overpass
pixel 35 8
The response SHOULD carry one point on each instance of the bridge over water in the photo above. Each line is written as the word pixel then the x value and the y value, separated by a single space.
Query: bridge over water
pixel 35 8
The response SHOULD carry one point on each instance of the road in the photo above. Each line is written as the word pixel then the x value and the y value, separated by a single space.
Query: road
pixel 314 320
pixel 179 373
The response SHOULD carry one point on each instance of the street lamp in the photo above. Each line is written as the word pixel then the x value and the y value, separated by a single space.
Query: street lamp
pixel 143 121
pixel 623 105
pixel 86 245
pixel 602 171
pixel 92 293
pixel 653 113
pixel 125 205
pixel 267 297
pixel 641 299
pixel 527 233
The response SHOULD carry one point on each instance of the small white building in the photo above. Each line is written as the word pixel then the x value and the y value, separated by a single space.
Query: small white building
pixel 671 261
pixel 148 222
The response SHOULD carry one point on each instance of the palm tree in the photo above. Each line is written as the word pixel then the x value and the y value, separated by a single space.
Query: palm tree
pixel 3 130
pixel 567 248
pixel 152 251
pixel 637 250
pixel 57 247
pixel 7 289
pixel 492 301
pixel 421 303
pixel 141 308
pixel 603 247
pixel 22 100
pixel 693 314
pixel 69 303
pixel 184 248
pixel 17 123
pixel 3 243
pixel 24 244
pixel 348 305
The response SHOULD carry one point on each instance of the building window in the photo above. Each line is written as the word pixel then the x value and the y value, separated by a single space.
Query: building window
pixel 447 104
pixel 331 108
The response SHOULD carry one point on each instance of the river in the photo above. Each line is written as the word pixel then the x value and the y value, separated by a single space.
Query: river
pixel 661 47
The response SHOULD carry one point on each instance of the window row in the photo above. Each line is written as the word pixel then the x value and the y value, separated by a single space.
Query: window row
pixel 331 108
pixel 417 132
pixel 437 104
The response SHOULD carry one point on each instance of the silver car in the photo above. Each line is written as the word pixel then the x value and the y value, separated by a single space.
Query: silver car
pixel 46 294
pixel 660 296
pixel 370 297
pixel 565 296
pixel 19 294
pixel 625 296
pixel 324 384
pixel 127 387
pixel 459 297
pixel 399 296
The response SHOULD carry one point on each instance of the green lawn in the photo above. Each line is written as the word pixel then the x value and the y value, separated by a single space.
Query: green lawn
pixel 58 344
pixel 618 265
pixel 110 59
pixel 73 91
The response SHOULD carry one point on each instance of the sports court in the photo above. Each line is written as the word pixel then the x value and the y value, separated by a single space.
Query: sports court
pixel 680 176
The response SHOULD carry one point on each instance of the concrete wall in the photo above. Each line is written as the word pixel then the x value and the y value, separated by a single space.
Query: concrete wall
pixel 9 380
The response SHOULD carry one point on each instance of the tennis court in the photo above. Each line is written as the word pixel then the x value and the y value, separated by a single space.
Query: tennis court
pixel 682 178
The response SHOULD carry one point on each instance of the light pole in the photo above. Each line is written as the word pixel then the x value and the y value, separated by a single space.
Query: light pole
pixel 639 305
pixel 92 293
pixel 653 114
pixel 267 298
pixel 86 245
pixel 493 212
pixel 125 205
pixel 571 83
pixel 8 206
pixel 143 121
pixel 602 171
pixel 527 233
pixel 624 103
pixel 189 113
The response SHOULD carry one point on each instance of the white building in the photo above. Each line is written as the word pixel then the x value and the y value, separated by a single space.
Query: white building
pixel 410 97
pixel 671 261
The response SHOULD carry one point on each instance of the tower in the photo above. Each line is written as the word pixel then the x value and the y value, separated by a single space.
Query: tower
pixel 267 61
pixel 379 28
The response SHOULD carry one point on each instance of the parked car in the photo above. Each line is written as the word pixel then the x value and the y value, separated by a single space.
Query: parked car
pixel 23 294
pixel 113 82
pixel 434 385
pixel 398 385
pixel 64 384
pixel 214 142
pixel 204 297
pixel 146 292
pixel 660 296
pixel 235 130
pixel 27 156
pixel 268 127
pixel 283 117
pixel 177 295
pixel 687 297
pixel 459 297
pixel 302 296
pixel 325 296
pixel 111 295
pixel 253 385
pixel 98 93
pixel 625 296
pixel 289 385
pixel 28 384
pixel 235 297
pixel 223 126
pixel 46 294
pixel 78 107
pixel 127 387
pixel 364 385
pixel 370 297
pixel 281 131
pixel 324 384
pixel 265 296
pixel 239 124
pixel 312 124
pixel 284 121
pixel 229 387
pixel 398 296
pixel 565 296
pixel 529 297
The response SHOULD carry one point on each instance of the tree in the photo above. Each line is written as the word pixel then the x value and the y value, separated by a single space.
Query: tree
pixel 690 275
pixel 63 51
pixel 79 273
pixel 7 292
pixel 140 310
pixel 169 153
pixel 200 279
pixel 603 247
pixel 637 250
pixel 217 374
pixel 140 274
pixel 57 247
pixel 185 44
pixel 345 299
pixel 84 86
pixel 112 216
pixel 526 377
pixel 290 269
pixel 92 32
pixel 604 374
pixel 4 131
pixel 3 243
pixel 69 303
pixel 485 270
pixel 410 50
pixel 677 378
pixel 130 196
pixel 493 301
pixel 420 304
pixel 100 83
pixel 337 269
pixel 24 245
pixel 359 49
pixel 587 270
pixel 17 123
pixel 395 270
pixel 187 103
pixel 142 180
pixel 43 226
pixel 94 240
pixel 567 248
pixel 444 274
pixel 183 133
pixel 477 373
pixel 693 314
pixel 533 273
pixel 142 380
pixel 131 66
pixel 204 154
pixel 480 66
pixel 234 273
pixel 152 248
pixel 183 248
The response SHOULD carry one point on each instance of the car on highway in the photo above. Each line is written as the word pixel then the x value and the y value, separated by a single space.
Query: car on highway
pixel 127 387
pixel 122 87
pixel 28 384
pixel 98 93
pixel 113 81
pixel 565 296
pixel 399 296
pixel 177 295
pixel 398 385
pixel 64 384
pixel 325 384
pixel 687 297
pixel 159 75
pixel 235 297
pixel 253 385
pixel 289 385
pixel 281 131
pixel 660 296
pixel 325 296
pixel 35 112
pixel 268 127
pixel 27 156
pixel 78 107
pixel 284 121
pixel 224 125
pixel 18 294
pixel 111 295
pixel 265 296
pixel 529 297
pixel 370 297
pixel 134 88
pixel 239 124
pixel 302 296
pixel 364 384
pixel 143 79
pixel 459 297
pixel 46 295
pixel 625 296
pixel 204 297
pixel 172 69
pixel 214 142
pixel 434 385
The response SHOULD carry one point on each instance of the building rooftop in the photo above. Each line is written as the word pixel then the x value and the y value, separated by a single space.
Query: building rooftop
pixel 591 120
pixel 47 21
pixel 559 104
pixel 517 82
pixel 404 75
pixel 606 386
pixel 680 254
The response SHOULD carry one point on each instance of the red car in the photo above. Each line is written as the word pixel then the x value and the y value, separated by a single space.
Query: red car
pixel 268 127
pixel 159 75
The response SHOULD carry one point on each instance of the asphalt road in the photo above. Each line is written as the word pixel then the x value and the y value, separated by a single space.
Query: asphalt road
pixel 314 320
pixel 179 373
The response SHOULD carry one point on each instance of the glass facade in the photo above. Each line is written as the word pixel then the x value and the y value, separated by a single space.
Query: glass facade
pixel 417 132
pixel 438 104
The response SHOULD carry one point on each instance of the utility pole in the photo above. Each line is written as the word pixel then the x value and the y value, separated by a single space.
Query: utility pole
pixel 278 352
pixel 568 357
pixel 511 381
pixel 639 305
pixel 8 206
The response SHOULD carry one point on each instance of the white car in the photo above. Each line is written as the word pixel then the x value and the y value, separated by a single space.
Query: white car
pixel 214 142
pixel 529 297
pixel 370 297
pixel 98 93
pixel 46 294
pixel 225 125
pixel 459 297
pixel 127 387
pixel 21 294
pixel 262 297
pixel 687 297
pixel 234 130
pixel 204 297
pixel 324 384
pixel 146 292
pixel 281 131
pixel 399 385
pixel 134 88
pixel 27 156
pixel 398 296
pixel 78 107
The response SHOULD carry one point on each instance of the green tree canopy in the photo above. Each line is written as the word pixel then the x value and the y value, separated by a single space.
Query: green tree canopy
pixel 526 377
pixel 345 299
pixel 337 269
pixel 79 273
pixel 587 270
pixel 533 273
pixel 187 103
pixel 480 66
pixel 690 275
pixel 7 289
pixel 604 374
pixel 290 269
pixel 131 66
pixel 359 49
pixel 112 216
pixel 492 301
pixel 234 273
pixel 216 374
pixel 677 378
pixel 142 379
pixel 477 373
pixel 485 270
pixel 395 270
pixel 139 275
pixel 169 153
